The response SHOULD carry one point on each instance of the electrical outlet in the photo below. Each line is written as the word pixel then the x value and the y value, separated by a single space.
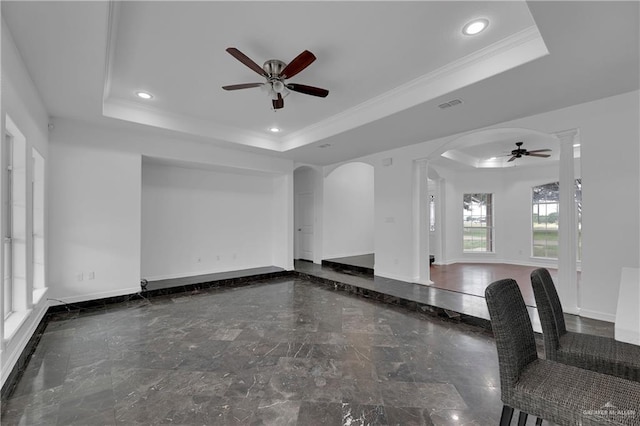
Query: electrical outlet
pixel 80 276
pixel 91 275
pixel 218 257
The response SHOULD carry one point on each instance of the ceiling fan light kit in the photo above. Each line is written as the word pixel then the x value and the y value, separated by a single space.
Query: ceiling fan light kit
pixel 276 72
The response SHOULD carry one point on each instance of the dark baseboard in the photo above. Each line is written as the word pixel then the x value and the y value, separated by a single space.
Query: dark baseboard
pixel 227 282
pixel 344 268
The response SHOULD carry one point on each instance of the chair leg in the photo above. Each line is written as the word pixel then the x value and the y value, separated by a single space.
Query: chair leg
pixel 522 418
pixel 507 414
pixel 538 421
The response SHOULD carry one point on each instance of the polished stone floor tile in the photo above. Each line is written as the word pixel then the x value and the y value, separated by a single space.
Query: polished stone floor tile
pixel 276 412
pixel 408 416
pixel 282 351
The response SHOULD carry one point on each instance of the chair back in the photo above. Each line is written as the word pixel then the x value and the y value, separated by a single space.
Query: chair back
pixel 549 310
pixel 512 330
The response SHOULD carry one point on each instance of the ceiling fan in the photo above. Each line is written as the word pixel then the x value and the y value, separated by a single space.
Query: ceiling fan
pixel 276 72
pixel 519 152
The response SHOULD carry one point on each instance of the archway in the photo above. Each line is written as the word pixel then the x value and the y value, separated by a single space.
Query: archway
pixel 491 173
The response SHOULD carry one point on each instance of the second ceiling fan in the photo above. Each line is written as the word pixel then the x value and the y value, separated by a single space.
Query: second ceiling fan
pixel 520 151
pixel 276 72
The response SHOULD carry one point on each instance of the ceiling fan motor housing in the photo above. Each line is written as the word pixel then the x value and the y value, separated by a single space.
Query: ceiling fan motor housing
pixel 273 67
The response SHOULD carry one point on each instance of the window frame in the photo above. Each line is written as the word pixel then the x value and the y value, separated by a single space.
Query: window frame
pixel 7 226
pixel 20 286
pixel 488 218
pixel 556 201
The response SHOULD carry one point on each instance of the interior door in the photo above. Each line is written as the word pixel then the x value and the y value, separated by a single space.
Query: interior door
pixel 304 232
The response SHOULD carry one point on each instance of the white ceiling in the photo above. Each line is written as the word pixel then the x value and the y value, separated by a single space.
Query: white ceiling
pixel 493 148
pixel 387 65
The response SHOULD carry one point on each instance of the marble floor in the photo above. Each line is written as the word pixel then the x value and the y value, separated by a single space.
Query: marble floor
pixel 283 351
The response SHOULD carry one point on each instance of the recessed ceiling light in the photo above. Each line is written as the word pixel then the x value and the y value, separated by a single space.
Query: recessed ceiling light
pixel 144 95
pixel 575 145
pixel 274 129
pixel 493 158
pixel 475 27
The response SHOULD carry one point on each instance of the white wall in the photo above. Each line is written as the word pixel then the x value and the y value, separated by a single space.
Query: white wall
pixel 96 198
pixel 197 221
pixel 611 184
pixel 610 219
pixel 512 212
pixel 394 219
pixel 94 222
pixel 21 101
pixel 348 211
pixel 282 222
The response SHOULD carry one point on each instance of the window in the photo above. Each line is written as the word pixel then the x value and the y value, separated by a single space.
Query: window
pixel 38 242
pixel 578 200
pixel 477 223
pixel 546 203
pixel 14 227
pixel 7 261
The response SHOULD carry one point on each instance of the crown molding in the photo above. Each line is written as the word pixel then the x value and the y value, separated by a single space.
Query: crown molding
pixel 143 114
pixel 510 52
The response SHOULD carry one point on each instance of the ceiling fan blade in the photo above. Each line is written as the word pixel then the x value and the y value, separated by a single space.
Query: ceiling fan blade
pixel 299 63
pixel 242 86
pixel 540 150
pixel 539 155
pixel 511 159
pixel 246 60
pixel 308 90
pixel 278 103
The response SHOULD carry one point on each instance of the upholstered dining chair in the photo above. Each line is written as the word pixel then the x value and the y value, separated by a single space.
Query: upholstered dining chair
pixel 601 354
pixel 560 393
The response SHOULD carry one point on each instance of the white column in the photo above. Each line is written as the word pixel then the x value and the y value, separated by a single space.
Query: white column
pixel 421 221
pixel 567 283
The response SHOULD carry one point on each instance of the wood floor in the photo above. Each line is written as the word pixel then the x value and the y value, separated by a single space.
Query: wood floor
pixel 466 278
pixel 473 278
